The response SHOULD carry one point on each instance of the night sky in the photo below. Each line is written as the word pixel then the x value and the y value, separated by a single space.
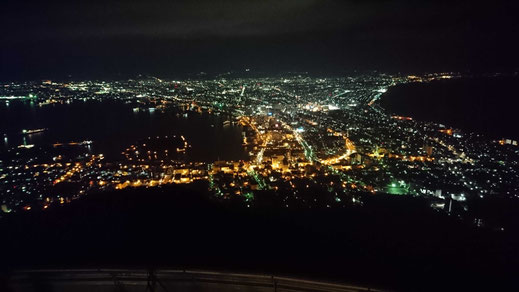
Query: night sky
pixel 100 39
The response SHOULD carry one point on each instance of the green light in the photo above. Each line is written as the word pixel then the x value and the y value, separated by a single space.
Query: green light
pixel 249 195
pixel 393 185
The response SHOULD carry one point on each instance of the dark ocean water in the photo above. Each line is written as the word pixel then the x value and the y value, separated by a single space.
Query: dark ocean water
pixel 488 106
pixel 113 126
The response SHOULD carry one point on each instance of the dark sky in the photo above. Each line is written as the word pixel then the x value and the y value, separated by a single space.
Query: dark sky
pixel 89 39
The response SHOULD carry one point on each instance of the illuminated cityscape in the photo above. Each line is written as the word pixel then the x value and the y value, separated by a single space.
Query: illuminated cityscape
pixel 273 145
pixel 314 142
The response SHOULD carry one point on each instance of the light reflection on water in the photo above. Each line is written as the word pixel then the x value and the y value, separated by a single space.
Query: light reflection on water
pixel 113 126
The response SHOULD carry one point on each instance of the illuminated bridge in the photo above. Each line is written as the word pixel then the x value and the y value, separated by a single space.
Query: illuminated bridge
pixel 162 280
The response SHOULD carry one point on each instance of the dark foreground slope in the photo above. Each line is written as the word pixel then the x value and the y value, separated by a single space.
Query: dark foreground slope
pixel 391 242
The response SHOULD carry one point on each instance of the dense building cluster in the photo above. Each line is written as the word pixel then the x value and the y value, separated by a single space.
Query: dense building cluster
pixel 310 142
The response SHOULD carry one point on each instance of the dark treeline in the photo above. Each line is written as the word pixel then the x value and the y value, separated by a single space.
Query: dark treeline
pixel 390 242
